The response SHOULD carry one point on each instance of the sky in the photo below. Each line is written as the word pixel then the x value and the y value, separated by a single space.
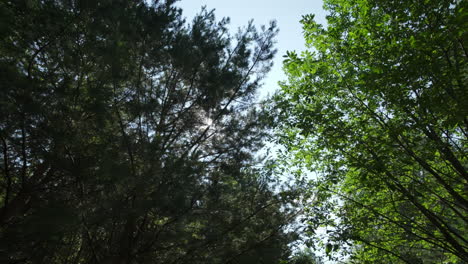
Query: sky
pixel 287 13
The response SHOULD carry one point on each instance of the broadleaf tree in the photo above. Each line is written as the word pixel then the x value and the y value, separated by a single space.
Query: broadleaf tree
pixel 129 136
pixel 376 109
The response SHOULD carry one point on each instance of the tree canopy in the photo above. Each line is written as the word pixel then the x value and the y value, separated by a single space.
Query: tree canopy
pixel 376 109
pixel 129 136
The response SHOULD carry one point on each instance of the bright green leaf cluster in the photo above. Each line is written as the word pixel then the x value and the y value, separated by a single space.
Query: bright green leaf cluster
pixel 382 102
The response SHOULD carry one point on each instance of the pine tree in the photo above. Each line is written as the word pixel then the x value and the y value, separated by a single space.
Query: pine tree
pixel 128 136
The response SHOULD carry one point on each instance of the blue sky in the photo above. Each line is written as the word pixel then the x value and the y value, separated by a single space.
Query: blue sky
pixel 286 12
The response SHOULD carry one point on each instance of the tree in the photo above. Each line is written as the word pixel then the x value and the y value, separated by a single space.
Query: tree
pixel 305 256
pixel 128 136
pixel 377 108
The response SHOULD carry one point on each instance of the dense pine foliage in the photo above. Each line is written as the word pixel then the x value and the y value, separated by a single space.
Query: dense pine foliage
pixel 129 136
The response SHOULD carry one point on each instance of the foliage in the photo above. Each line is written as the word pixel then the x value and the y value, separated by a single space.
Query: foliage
pixel 305 256
pixel 377 109
pixel 128 136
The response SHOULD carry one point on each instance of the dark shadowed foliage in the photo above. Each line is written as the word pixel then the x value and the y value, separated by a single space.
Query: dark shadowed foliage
pixel 128 136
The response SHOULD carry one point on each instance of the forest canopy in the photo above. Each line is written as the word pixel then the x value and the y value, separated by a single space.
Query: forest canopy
pixel 376 109
pixel 129 135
